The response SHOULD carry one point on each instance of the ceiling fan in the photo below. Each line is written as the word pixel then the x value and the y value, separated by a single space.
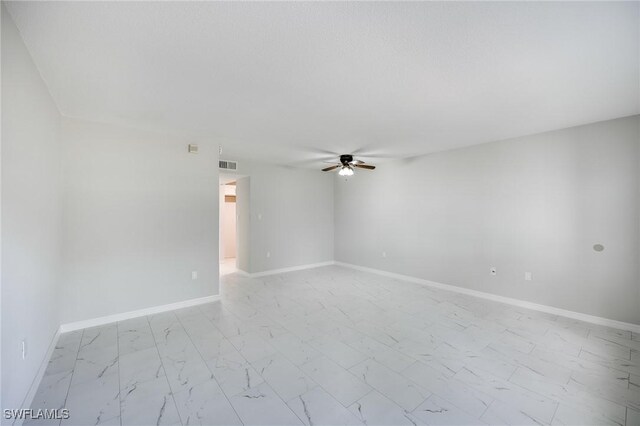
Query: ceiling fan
pixel 347 164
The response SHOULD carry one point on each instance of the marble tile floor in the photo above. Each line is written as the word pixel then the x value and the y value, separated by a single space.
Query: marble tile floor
pixel 228 266
pixel 333 346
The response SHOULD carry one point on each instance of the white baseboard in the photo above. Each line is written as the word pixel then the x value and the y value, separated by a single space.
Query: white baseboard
pixel 243 273
pixel 283 270
pixel 31 393
pixel 502 299
pixel 78 325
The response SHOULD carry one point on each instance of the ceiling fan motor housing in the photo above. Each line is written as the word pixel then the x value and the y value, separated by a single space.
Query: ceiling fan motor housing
pixel 345 159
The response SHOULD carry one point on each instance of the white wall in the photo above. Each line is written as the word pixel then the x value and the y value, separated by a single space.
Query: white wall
pixel 141 214
pixel 229 229
pixel 537 203
pixel 291 216
pixel 31 216
pixel 221 220
pixel 243 215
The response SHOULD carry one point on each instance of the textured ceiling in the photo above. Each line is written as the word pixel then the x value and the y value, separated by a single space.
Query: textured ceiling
pixel 297 81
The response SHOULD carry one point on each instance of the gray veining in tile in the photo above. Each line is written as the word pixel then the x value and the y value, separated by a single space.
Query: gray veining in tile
pixel 261 405
pixel 317 407
pixel 337 346
pixel 283 376
pixel 205 404
pixel 437 411
pixel 375 409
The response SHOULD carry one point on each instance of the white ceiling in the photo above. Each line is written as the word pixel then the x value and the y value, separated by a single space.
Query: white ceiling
pixel 296 81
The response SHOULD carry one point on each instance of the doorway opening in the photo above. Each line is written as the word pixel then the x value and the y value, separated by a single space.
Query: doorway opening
pixel 234 223
pixel 228 227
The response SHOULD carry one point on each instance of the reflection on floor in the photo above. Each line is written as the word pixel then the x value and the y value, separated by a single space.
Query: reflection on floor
pixel 336 346
pixel 228 266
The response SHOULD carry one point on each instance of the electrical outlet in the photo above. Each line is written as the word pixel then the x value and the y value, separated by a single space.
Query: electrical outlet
pixel 493 271
pixel 528 276
pixel 268 254
pixel 384 254
pixel 24 349
pixel 194 275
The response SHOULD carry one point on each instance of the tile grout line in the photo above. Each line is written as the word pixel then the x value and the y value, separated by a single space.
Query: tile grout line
pixel 119 384
pixel 555 412
pixel 447 399
pixel 485 410
pixel 260 300
pixel 298 367
pixel 73 371
pixel 155 343
pixel 388 399
pixel 207 365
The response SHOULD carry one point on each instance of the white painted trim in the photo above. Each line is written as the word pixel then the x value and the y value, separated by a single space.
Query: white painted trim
pixel 78 325
pixel 283 270
pixel 35 384
pixel 502 299
pixel 64 328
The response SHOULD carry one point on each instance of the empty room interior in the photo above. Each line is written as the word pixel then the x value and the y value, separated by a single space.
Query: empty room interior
pixel 320 213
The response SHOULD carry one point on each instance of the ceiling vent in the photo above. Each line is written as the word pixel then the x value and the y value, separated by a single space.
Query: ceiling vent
pixel 228 165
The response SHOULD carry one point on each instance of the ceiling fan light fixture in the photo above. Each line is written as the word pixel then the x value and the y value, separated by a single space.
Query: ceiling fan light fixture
pixel 346 171
pixel 347 166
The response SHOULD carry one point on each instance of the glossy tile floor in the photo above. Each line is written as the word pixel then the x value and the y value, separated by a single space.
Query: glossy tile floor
pixel 228 266
pixel 335 346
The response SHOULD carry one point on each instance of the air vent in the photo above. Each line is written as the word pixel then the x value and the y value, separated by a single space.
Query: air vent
pixel 228 165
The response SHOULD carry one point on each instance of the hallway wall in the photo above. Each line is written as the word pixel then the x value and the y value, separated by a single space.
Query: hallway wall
pixel 290 219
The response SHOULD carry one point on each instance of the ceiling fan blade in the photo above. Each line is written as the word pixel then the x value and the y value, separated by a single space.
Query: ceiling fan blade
pixel 364 166
pixel 354 162
pixel 327 169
